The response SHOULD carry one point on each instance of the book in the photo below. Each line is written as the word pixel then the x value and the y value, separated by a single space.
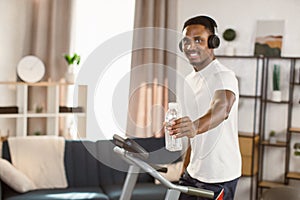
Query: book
pixel 9 110
pixel 70 109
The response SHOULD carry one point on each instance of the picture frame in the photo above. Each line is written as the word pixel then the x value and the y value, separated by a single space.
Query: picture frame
pixel 269 37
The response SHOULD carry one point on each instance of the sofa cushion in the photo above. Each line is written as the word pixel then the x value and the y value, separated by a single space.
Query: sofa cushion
pixel 144 191
pixel 81 167
pixel 83 193
pixel 94 164
pixel 14 178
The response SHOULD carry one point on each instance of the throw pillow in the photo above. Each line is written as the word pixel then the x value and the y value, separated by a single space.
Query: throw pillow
pixel 14 178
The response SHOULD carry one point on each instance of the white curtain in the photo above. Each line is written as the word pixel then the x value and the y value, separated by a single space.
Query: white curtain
pixel 48 34
pixel 152 82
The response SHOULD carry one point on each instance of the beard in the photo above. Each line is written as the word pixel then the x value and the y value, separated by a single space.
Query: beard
pixel 200 64
pixel 199 59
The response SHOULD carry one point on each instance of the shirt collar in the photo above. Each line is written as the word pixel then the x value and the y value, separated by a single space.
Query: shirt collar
pixel 208 70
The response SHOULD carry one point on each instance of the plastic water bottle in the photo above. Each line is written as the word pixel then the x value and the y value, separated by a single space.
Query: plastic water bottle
pixel 172 114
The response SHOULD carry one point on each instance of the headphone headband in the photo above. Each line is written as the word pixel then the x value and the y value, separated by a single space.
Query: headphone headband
pixel 206 21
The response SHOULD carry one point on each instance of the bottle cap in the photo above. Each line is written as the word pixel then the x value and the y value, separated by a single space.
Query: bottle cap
pixel 173 105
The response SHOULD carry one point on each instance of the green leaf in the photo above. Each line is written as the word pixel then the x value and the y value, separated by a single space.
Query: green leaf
pixel 297 146
pixel 272 133
pixel 68 59
pixel 72 59
pixel 276 77
pixel 229 34
pixel 297 153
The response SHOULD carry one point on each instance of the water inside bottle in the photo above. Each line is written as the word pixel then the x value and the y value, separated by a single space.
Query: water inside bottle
pixel 172 144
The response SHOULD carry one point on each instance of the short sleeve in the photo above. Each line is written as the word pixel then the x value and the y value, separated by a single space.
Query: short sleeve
pixel 225 80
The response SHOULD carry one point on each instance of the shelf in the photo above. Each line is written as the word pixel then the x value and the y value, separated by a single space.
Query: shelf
pixel 16 115
pixel 270 184
pixel 253 56
pixel 238 56
pixel 276 102
pixel 11 83
pixel 294 129
pixel 283 57
pixel 250 96
pixel 72 113
pixel 32 115
pixel 293 175
pixel 34 84
pixel 63 114
pixel 277 144
pixel 296 83
pixel 248 134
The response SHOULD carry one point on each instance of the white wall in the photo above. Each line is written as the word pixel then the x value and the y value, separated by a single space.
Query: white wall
pixel 12 18
pixel 12 39
pixel 12 22
pixel 242 15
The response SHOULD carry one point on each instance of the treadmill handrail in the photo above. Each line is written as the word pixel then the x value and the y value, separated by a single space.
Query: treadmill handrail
pixel 131 146
pixel 147 168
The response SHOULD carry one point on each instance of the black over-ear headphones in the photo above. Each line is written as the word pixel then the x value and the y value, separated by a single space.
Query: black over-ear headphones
pixel 213 40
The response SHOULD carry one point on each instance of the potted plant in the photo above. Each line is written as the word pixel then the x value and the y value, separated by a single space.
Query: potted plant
pixel 272 138
pixel 276 93
pixel 72 61
pixel 229 35
pixel 297 149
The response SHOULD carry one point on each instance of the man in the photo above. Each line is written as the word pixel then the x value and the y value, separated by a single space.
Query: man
pixel 213 157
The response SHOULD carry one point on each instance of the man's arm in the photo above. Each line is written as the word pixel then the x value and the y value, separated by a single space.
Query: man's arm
pixel 218 112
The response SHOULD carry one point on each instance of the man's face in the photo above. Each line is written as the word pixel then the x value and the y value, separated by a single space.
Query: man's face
pixel 195 46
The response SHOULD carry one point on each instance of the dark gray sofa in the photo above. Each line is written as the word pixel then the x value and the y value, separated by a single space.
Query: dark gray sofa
pixel 90 179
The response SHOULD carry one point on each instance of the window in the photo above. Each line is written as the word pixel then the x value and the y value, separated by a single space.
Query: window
pixel 97 21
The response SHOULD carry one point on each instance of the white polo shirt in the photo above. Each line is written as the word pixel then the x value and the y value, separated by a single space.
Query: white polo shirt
pixel 215 155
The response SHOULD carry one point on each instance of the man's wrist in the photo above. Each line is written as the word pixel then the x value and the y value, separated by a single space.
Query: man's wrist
pixel 196 127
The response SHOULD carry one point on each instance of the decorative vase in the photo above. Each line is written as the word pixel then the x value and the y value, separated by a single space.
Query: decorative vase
pixel 70 76
pixel 229 49
pixel 272 140
pixel 276 95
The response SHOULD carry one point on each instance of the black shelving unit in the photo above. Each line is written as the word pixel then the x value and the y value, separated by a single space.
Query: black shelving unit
pixel 253 136
pixel 291 130
pixel 261 102
pixel 286 146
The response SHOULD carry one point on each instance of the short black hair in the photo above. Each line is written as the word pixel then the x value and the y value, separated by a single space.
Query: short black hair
pixel 206 21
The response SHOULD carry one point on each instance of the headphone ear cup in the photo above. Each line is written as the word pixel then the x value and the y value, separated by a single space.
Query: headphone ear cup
pixel 180 46
pixel 213 41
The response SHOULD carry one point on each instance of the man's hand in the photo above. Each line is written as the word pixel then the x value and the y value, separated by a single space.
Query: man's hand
pixel 183 127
